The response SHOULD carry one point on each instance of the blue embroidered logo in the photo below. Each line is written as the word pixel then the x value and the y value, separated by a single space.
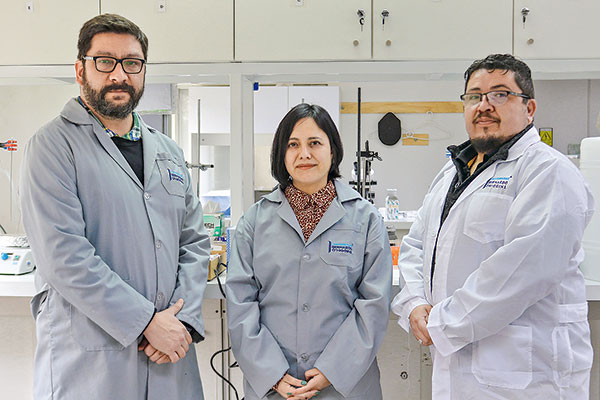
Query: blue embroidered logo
pixel 340 247
pixel 174 176
pixel 497 183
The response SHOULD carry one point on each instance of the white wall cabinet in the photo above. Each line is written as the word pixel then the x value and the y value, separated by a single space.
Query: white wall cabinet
pixel 442 29
pixel 42 31
pixel 556 29
pixel 181 30
pixel 302 30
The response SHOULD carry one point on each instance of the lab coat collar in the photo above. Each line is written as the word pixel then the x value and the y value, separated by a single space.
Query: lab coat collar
pixel 344 193
pixel 150 148
pixel 517 150
pixel 334 213
pixel 530 137
pixel 75 113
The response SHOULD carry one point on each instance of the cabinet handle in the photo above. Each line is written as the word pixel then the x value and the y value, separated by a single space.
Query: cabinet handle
pixel 525 12
pixel 384 14
pixel 361 18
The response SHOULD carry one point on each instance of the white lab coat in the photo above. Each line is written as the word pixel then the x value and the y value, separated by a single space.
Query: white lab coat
pixel 509 317
pixel 294 305
pixel 108 251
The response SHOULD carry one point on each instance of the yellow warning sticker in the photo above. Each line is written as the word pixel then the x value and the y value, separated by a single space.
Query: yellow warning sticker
pixel 546 135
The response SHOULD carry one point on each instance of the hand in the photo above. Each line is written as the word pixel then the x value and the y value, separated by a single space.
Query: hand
pixel 287 385
pixel 418 324
pixel 316 382
pixel 167 334
pixel 154 355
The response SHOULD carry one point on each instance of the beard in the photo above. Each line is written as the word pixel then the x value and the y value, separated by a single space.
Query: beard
pixel 97 99
pixel 487 144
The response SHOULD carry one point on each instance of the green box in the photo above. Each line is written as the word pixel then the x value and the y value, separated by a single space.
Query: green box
pixel 214 222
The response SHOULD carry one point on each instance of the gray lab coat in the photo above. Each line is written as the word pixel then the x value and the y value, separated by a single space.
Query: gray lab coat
pixel 324 303
pixel 108 251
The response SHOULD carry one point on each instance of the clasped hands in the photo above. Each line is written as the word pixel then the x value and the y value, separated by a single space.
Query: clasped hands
pixel 166 339
pixel 291 388
pixel 418 324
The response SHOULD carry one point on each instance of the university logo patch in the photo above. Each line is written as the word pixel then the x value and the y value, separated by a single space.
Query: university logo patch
pixel 498 183
pixel 340 247
pixel 174 176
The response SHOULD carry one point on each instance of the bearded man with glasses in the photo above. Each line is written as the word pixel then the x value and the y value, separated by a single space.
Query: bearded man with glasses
pixel 490 267
pixel 118 237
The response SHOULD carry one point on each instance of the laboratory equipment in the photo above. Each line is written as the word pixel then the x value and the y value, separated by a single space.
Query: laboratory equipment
pixel 362 171
pixel 10 145
pixel 392 205
pixel 16 257
pixel 589 163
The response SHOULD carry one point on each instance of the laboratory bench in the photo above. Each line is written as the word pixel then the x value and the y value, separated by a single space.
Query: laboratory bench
pixel 23 286
pixel 405 365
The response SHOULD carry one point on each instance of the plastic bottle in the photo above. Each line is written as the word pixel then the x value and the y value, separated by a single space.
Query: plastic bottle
pixel 392 205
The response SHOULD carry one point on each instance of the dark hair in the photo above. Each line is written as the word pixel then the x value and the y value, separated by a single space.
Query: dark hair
pixel 112 23
pixel 505 62
pixel 282 136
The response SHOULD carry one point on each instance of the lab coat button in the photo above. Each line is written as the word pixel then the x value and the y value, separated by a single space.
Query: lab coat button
pixel 158 244
pixel 147 196
pixel 160 296
pixel 306 257
pixel 304 357
pixel 305 307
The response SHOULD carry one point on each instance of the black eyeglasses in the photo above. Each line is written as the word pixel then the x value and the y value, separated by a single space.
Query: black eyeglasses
pixel 108 64
pixel 495 97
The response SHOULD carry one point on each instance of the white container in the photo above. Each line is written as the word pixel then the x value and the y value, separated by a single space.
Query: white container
pixel 392 205
pixel 590 169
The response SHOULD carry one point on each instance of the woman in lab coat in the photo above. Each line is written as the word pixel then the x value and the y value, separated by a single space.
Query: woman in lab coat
pixel 310 275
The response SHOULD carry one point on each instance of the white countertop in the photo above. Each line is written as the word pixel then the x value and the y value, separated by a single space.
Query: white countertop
pixel 22 286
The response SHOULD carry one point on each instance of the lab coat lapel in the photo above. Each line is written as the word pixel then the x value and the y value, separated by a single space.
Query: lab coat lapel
pixel 284 210
pixel 150 148
pixel 439 207
pixel 334 213
pixel 287 214
pixel 477 183
pixel 114 151
pixel 74 112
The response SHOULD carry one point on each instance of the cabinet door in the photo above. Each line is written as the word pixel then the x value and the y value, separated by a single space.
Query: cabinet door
pixel 181 30
pixel 299 30
pixel 557 29
pixel 42 31
pixel 441 29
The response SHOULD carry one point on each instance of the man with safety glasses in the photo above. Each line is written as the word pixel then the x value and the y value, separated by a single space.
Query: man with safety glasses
pixel 118 237
pixel 490 267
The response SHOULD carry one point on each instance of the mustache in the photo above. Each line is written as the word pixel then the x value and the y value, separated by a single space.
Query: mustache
pixel 485 115
pixel 116 86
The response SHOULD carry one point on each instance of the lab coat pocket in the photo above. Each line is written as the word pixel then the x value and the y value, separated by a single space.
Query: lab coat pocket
pixel 562 358
pixel 486 217
pixel 504 359
pixel 90 336
pixel 341 247
pixel 172 174
pixel 38 301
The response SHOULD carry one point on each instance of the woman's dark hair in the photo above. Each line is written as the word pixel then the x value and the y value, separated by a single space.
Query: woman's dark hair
pixel 282 136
